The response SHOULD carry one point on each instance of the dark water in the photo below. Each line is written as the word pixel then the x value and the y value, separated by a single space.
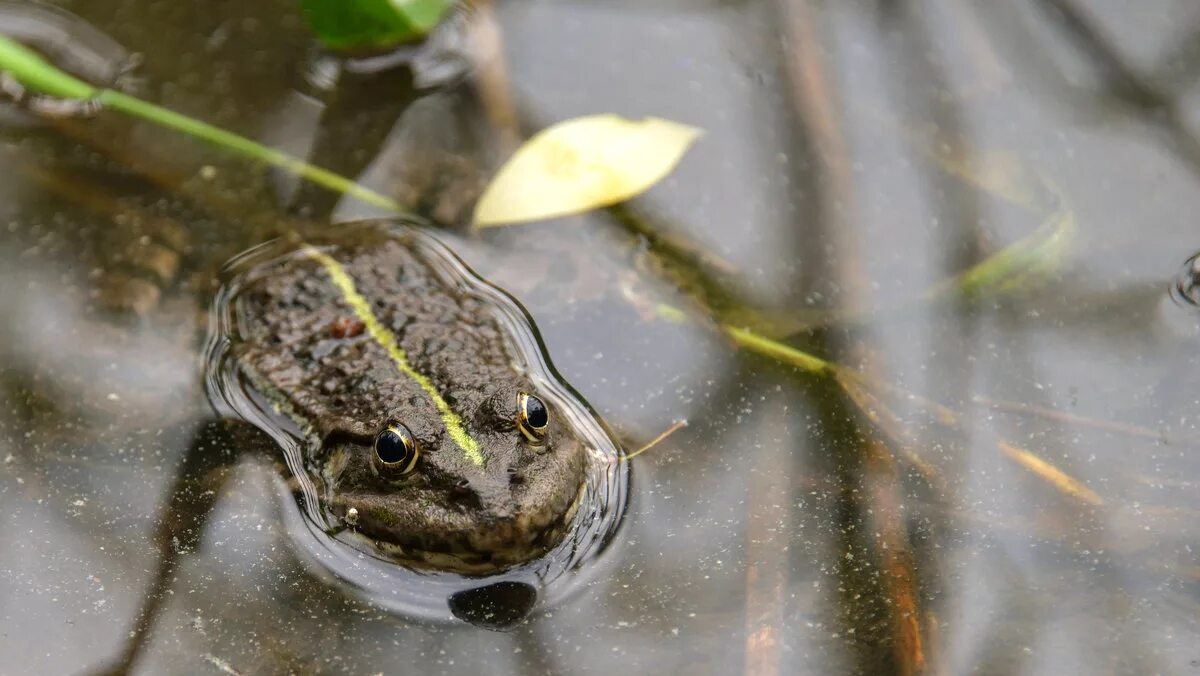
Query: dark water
pixel 859 159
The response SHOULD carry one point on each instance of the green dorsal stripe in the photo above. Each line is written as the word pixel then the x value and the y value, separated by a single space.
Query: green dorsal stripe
pixel 381 334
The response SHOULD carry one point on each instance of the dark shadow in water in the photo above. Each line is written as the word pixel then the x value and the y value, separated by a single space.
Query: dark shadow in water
pixel 498 606
pixel 1156 105
pixel 353 110
pixel 215 448
pixel 1180 64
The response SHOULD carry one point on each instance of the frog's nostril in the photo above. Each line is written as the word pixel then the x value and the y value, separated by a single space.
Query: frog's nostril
pixel 515 478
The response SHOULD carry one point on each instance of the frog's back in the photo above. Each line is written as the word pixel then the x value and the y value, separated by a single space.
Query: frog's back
pixel 301 334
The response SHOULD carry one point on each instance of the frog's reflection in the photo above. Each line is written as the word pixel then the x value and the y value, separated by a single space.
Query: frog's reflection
pixel 500 605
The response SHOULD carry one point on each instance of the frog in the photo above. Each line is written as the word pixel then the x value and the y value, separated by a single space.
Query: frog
pixel 422 427
pixel 419 421
pixel 407 403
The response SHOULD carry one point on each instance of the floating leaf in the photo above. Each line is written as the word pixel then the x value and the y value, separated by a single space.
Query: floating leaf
pixel 582 164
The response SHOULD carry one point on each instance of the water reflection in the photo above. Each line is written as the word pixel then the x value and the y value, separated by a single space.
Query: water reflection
pixel 500 605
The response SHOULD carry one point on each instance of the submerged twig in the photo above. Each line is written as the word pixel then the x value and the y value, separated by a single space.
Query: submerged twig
pixel 1048 472
pixel 890 424
pixel 1056 415
pixel 858 387
pixel 675 427
pixel 768 513
pixel 490 73
pixel 816 113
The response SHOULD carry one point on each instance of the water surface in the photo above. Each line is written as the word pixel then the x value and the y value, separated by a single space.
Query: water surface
pixel 856 156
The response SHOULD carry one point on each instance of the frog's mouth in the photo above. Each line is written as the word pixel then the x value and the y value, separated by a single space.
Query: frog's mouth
pixel 488 548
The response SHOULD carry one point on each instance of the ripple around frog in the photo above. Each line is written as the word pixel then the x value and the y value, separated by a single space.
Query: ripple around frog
pixel 352 560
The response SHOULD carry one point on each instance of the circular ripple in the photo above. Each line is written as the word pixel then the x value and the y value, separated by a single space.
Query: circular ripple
pixel 1186 289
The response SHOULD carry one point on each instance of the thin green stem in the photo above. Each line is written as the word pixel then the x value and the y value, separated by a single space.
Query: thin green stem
pixel 40 77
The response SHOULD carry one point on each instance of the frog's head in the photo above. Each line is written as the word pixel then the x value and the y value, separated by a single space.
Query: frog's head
pixel 476 491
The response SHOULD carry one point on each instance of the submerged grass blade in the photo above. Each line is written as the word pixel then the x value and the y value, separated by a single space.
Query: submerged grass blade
pixel 1054 476
pixel 1037 254
pixel 858 386
pixel 775 350
pixel 42 78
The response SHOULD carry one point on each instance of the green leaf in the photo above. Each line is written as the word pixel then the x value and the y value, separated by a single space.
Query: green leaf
pixel 372 24
pixel 583 164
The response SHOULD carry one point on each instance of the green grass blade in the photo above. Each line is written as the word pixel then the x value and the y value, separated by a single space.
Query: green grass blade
pixel 40 77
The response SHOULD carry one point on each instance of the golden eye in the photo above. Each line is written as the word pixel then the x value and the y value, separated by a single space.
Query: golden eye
pixel 533 418
pixel 396 450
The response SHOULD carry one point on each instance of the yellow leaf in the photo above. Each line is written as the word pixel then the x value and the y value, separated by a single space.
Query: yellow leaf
pixel 582 164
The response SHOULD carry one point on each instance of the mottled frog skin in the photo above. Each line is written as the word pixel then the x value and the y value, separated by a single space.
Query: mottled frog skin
pixel 366 335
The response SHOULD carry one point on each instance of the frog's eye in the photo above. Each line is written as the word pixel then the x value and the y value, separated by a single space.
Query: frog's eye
pixel 396 450
pixel 533 418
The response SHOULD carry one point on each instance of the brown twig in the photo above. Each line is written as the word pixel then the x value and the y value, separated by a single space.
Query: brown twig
pixel 1056 415
pixel 816 114
pixel 675 427
pixel 890 425
pixel 766 577
pixel 491 75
